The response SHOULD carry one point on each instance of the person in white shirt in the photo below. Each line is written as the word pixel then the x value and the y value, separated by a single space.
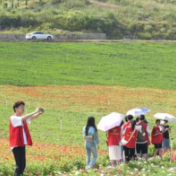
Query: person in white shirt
pixel 20 135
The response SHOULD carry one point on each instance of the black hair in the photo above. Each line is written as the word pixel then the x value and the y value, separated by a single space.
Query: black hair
pixel 142 117
pixel 166 121
pixel 137 119
pixel 17 104
pixel 158 120
pixel 122 123
pixel 126 118
pixel 133 124
pixel 129 117
pixel 90 123
pixel 145 121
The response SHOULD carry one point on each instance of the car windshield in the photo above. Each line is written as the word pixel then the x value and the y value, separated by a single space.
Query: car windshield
pixel 38 33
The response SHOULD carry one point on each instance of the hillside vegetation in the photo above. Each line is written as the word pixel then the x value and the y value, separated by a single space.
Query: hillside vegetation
pixel 133 64
pixel 149 19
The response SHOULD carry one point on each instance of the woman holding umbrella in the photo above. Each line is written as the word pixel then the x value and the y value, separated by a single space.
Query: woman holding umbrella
pixel 114 137
pixel 111 124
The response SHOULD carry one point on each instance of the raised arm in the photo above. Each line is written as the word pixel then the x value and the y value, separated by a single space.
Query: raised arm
pixel 33 115
pixel 37 114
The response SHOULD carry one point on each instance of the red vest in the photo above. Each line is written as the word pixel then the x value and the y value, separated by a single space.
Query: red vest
pixel 114 136
pixel 144 125
pixel 158 138
pixel 16 135
pixel 125 125
pixel 128 132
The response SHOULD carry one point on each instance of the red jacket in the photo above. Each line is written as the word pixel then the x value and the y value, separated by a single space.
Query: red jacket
pixel 16 135
pixel 158 138
pixel 114 136
pixel 127 135
pixel 144 125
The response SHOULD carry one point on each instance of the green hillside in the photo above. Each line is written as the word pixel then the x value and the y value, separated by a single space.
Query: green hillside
pixel 149 19
pixel 133 64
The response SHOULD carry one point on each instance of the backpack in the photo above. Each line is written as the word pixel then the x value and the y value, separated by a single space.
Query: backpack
pixel 141 136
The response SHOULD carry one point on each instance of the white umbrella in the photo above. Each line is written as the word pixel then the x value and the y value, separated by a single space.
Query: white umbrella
pixel 110 121
pixel 138 111
pixel 165 116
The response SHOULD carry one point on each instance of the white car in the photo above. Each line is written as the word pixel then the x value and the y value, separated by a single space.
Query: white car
pixel 39 36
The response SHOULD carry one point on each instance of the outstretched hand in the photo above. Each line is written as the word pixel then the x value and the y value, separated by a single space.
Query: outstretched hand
pixel 34 114
pixel 39 110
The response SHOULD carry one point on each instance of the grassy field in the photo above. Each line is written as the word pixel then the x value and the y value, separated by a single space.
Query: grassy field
pixel 133 64
pixel 73 81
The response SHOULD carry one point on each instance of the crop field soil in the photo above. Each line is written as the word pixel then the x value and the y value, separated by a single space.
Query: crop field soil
pixel 73 81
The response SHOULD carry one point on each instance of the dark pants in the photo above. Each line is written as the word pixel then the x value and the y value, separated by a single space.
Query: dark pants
pixel 129 153
pixel 20 159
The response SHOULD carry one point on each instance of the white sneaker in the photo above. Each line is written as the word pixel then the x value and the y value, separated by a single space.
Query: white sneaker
pixel 88 167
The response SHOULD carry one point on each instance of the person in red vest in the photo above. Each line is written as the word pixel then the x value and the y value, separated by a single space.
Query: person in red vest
pixel 128 118
pixel 130 135
pixel 143 141
pixel 157 138
pixel 127 121
pixel 114 137
pixel 19 134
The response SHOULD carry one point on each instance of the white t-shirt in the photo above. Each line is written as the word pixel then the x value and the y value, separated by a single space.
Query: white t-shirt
pixel 16 122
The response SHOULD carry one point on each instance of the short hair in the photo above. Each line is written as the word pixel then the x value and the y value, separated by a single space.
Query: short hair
pixel 142 117
pixel 129 117
pixel 17 104
pixel 158 120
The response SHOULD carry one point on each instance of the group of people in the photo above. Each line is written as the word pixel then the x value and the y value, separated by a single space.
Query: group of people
pixel 125 142
pixel 128 141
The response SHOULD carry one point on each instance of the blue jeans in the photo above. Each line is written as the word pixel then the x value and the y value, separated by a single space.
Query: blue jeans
pixel 166 144
pixel 91 148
